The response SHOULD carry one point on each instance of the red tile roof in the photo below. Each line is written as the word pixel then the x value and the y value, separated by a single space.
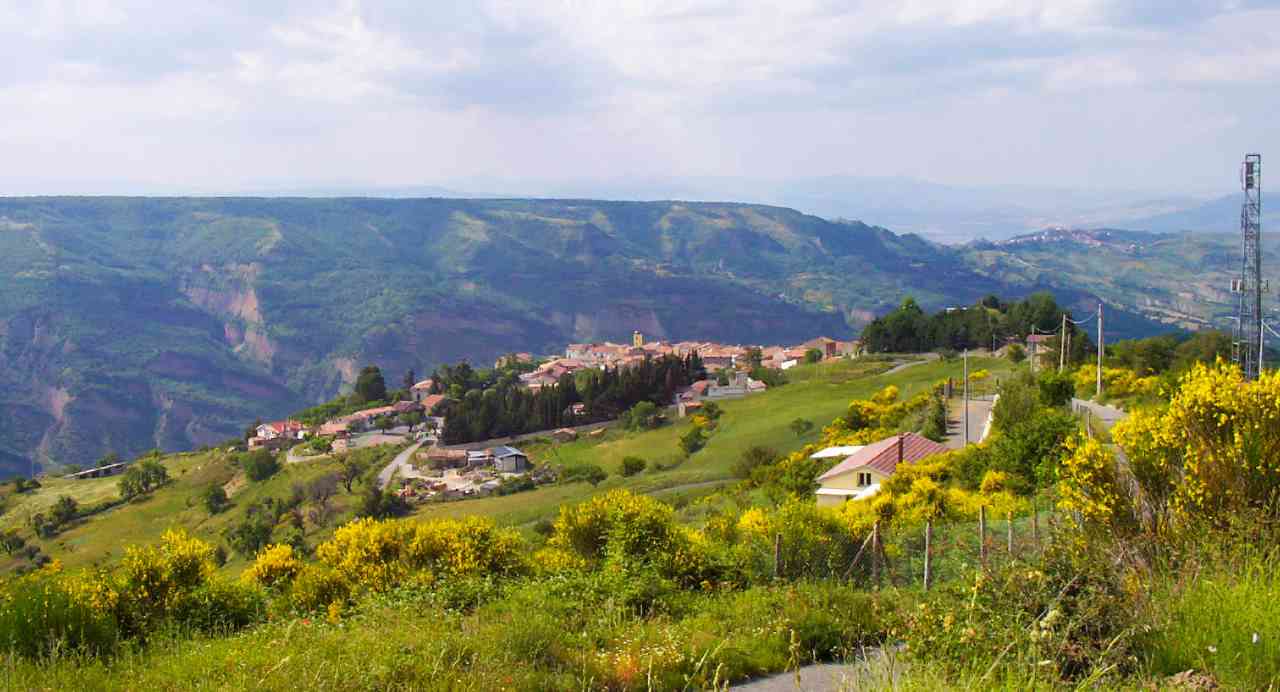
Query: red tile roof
pixel 430 402
pixel 284 427
pixel 883 455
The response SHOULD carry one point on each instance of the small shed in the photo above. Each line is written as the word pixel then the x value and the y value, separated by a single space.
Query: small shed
pixel 509 460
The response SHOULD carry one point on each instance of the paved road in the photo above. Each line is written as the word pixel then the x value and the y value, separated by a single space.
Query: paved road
pixel 979 410
pixel 925 358
pixel 400 463
pixel 294 458
pixel 1109 415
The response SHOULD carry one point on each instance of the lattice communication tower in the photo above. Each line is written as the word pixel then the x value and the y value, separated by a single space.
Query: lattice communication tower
pixel 1247 345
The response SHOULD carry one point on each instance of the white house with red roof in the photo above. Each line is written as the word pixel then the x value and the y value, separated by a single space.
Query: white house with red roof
pixel 860 474
pixel 290 429
pixel 421 390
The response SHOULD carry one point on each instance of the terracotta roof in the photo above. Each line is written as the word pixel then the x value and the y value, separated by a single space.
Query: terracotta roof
pixel 371 412
pixel 1038 338
pixel 883 455
pixel 431 401
pixel 425 384
pixel 282 427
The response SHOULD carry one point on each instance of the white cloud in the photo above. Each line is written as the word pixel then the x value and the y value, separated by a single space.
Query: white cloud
pixel 213 94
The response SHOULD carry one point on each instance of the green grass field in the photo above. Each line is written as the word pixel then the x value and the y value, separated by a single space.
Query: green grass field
pixel 816 392
pixel 102 537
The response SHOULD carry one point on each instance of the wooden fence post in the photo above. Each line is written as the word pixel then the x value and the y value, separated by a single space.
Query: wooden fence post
pixel 858 556
pixel 982 535
pixel 777 555
pixel 1010 523
pixel 875 553
pixel 1035 523
pixel 928 540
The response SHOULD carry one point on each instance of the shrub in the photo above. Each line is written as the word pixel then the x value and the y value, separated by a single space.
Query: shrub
pixel 694 439
pixel 1056 389
pixel 801 426
pixel 814 541
pixel 378 554
pixel 65 510
pixel 381 504
pixel 886 396
pixel 274 566
pixel 142 477
pixel 643 416
pixel 1220 435
pixel 935 422
pixel 218 607
pixel 711 410
pixel 633 465
pixel 1066 619
pixel 40 619
pixel 253 533
pixel 318 586
pixel 11 541
pixel 753 458
pixel 1090 486
pixel 152 579
pixel 1019 402
pixel 589 473
pixel 215 499
pixel 625 529
pixel 259 465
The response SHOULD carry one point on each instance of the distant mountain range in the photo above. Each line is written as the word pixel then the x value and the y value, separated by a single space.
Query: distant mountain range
pixel 951 214
pixel 131 323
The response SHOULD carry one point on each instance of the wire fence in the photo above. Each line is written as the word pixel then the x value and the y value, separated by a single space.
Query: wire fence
pixel 916 556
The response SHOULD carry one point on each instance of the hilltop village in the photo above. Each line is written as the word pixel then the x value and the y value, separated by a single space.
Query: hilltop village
pixel 421 413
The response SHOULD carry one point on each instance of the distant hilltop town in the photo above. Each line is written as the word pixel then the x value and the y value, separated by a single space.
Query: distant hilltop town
pixel 715 357
pixel 419 413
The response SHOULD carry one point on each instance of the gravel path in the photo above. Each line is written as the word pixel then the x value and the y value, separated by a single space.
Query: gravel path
pixel 874 671
pixel 400 463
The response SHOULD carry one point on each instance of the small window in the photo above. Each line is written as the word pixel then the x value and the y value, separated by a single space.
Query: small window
pixel 864 479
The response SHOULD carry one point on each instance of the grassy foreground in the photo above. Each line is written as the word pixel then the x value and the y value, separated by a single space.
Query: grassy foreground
pixel 816 392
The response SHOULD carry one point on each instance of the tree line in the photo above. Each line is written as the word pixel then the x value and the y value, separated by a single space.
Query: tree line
pixel 497 406
pixel 986 324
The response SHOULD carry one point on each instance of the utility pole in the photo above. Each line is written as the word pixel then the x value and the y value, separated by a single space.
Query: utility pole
pixel 966 397
pixel 1062 344
pixel 1101 350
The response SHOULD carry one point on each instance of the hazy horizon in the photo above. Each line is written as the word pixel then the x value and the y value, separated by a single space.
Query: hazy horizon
pixel 118 97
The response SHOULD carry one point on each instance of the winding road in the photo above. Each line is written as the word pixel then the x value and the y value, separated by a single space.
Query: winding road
pixel 400 463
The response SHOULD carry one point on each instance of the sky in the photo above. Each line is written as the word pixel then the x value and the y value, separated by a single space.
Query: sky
pixel 215 97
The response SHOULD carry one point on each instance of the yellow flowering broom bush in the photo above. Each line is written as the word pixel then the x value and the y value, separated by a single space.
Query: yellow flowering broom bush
pixel 623 528
pixel 1214 449
pixel 376 555
pixel 274 565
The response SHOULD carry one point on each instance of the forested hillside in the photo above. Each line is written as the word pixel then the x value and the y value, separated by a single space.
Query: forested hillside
pixel 132 323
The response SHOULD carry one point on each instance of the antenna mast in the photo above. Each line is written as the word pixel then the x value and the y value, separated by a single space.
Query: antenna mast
pixel 1247 345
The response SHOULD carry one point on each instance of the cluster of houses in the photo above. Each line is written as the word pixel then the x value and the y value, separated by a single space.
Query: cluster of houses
pixel 715 357
pixel 440 474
